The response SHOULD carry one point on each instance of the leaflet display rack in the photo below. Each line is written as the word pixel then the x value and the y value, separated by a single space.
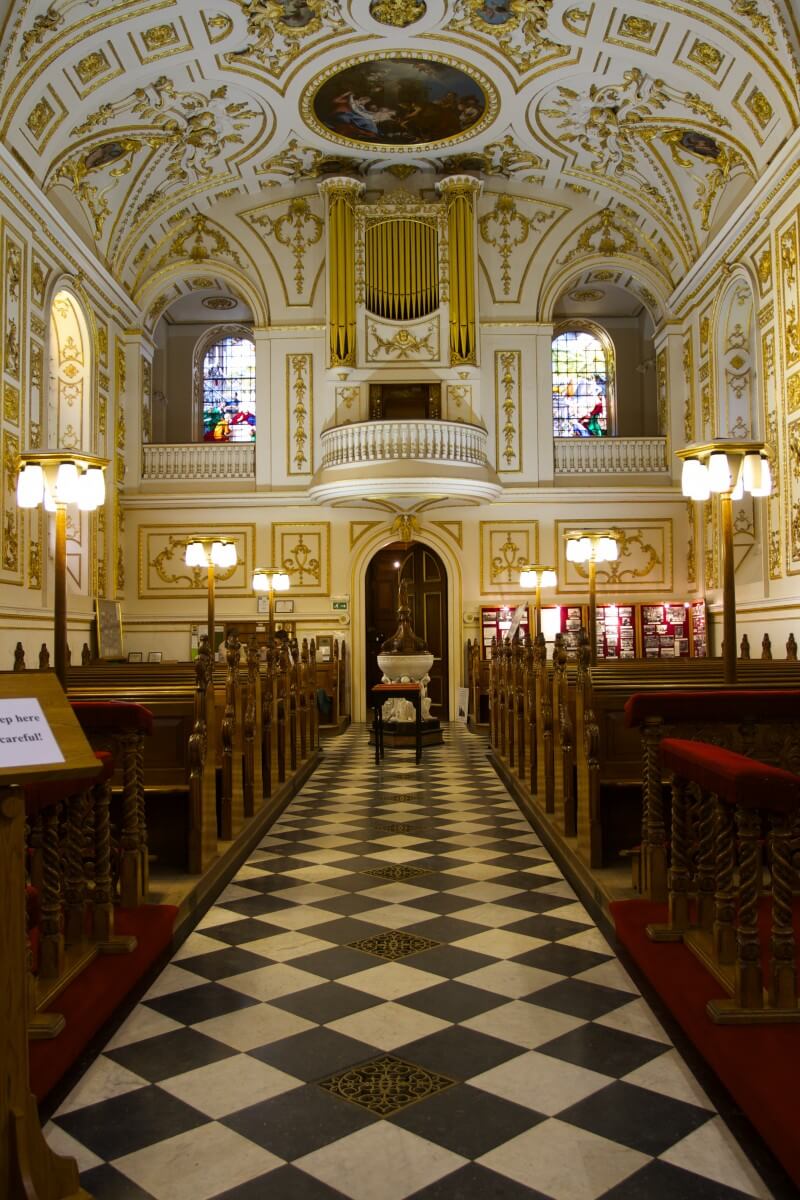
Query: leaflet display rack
pixel 665 630
pixel 496 620
pixel 573 617
pixel 616 632
pixel 699 629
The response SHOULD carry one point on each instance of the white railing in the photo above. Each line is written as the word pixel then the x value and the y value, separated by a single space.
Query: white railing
pixel 383 441
pixel 199 460
pixel 611 455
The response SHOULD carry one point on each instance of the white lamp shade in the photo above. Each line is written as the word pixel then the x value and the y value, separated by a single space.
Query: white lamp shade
pixel 701 488
pixel 607 550
pixel 66 489
pixel 280 581
pixel 584 549
pixel 49 503
pixel 196 555
pixel 229 557
pixel 549 579
pixel 528 578
pixel 571 548
pixel 97 480
pixel 737 491
pixel 86 495
pixel 30 486
pixel 260 581
pixel 693 471
pixel 765 483
pixel 719 472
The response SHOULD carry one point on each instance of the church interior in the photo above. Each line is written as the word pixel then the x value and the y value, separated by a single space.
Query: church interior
pixel 482 316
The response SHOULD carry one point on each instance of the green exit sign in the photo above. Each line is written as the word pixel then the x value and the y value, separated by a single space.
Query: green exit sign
pixel 342 604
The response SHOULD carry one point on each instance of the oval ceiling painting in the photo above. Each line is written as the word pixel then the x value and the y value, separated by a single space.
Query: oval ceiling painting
pixel 399 102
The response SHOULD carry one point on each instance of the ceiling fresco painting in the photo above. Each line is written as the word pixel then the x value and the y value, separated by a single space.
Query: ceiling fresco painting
pixel 159 127
pixel 399 101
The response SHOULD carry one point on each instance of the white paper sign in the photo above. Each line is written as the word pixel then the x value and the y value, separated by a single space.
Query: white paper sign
pixel 462 704
pixel 26 738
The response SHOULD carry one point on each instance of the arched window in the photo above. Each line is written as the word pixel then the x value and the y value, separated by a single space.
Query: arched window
pixel 229 390
pixel 583 380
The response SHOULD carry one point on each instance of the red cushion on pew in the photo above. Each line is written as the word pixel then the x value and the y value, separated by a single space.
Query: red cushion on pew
pixel 715 704
pixel 42 795
pixel 113 716
pixel 733 777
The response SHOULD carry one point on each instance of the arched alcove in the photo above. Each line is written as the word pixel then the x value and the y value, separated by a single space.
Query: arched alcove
pixel 69 392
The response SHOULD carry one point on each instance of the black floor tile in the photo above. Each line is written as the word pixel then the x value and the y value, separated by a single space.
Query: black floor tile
pixel 562 960
pixel 299 1121
pixel 352 904
pixel 193 1005
pixel 661 1181
pixel 474 1182
pixel 346 929
pixel 637 1117
pixel 269 882
pixel 467 1121
pixel 458 1052
pixel 336 962
pixel 609 1051
pixel 326 1002
pixel 238 933
pixel 221 964
pixel 105 1183
pixel 445 929
pixel 441 902
pixel 580 999
pixel 126 1123
pixel 314 1054
pixel 533 901
pixel 284 1183
pixel 453 1001
pixel 258 906
pixel 450 961
pixel 551 928
pixel 169 1054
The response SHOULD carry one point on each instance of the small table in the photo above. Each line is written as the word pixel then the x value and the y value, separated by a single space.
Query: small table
pixel 397 691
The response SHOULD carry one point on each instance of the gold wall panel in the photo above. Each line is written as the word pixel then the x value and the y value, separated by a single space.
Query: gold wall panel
pixel 163 574
pixel 644 563
pixel 505 547
pixel 302 549
pixel 299 414
pixel 508 410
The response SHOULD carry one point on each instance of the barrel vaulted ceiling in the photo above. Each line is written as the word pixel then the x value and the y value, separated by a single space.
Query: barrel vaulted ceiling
pixel 188 136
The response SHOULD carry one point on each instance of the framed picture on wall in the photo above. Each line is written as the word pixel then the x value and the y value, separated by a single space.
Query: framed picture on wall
pixel 154 656
pixel 135 656
pixel 284 606
pixel 108 630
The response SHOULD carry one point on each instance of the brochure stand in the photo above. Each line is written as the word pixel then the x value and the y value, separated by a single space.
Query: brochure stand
pixel 40 740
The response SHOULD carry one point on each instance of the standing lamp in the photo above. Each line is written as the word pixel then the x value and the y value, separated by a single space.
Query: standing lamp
pixel 270 580
pixel 211 553
pixel 729 469
pixel 592 546
pixel 56 478
pixel 535 578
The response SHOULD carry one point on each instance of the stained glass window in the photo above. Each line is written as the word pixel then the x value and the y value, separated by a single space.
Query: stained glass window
pixel 229 391
pixel 580 385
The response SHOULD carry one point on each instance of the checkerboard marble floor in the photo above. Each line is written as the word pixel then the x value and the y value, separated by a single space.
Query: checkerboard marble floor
pixel 398 995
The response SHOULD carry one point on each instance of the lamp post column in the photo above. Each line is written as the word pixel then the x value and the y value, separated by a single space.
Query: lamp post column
pixel 60 597
pixel 728 590
pixel 592 611
pixel 538 625
pixel 211 609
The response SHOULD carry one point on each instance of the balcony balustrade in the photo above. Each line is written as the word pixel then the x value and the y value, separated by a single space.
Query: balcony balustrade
pixel 611 456
pixel 201 461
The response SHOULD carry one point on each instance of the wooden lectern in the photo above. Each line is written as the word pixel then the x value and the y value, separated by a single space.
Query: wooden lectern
pixel 29 1169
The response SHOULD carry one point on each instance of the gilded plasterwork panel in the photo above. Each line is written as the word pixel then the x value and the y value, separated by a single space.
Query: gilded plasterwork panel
pixel 163 574
pixel 14 381
pixel 644 563
pixel 508 410
pixel 299 414
pixel 303 551
pixel 506 546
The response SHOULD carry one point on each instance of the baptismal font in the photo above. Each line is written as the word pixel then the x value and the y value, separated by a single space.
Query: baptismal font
pixel 404 658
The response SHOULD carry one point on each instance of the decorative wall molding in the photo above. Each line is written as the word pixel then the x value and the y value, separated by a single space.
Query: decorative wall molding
pixel 644 563
pixel 299 414
pixel 163 574
pixel 508 410
pixel 505 547
pixel 303 551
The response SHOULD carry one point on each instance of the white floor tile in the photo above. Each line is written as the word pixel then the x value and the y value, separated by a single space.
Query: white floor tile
pixel 541 1082
pixel 222 1088
pixel 197 1165
pixel 387 1026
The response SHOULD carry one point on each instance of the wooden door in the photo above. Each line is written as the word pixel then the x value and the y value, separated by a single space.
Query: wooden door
pixel 426 578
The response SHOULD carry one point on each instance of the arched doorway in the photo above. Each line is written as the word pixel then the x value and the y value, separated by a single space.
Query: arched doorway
pixel 426 580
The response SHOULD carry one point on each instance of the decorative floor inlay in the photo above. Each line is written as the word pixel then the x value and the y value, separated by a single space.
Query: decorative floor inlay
pixel 386 1085
pixel 393 944
pixel 396 827
pixel 397 872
